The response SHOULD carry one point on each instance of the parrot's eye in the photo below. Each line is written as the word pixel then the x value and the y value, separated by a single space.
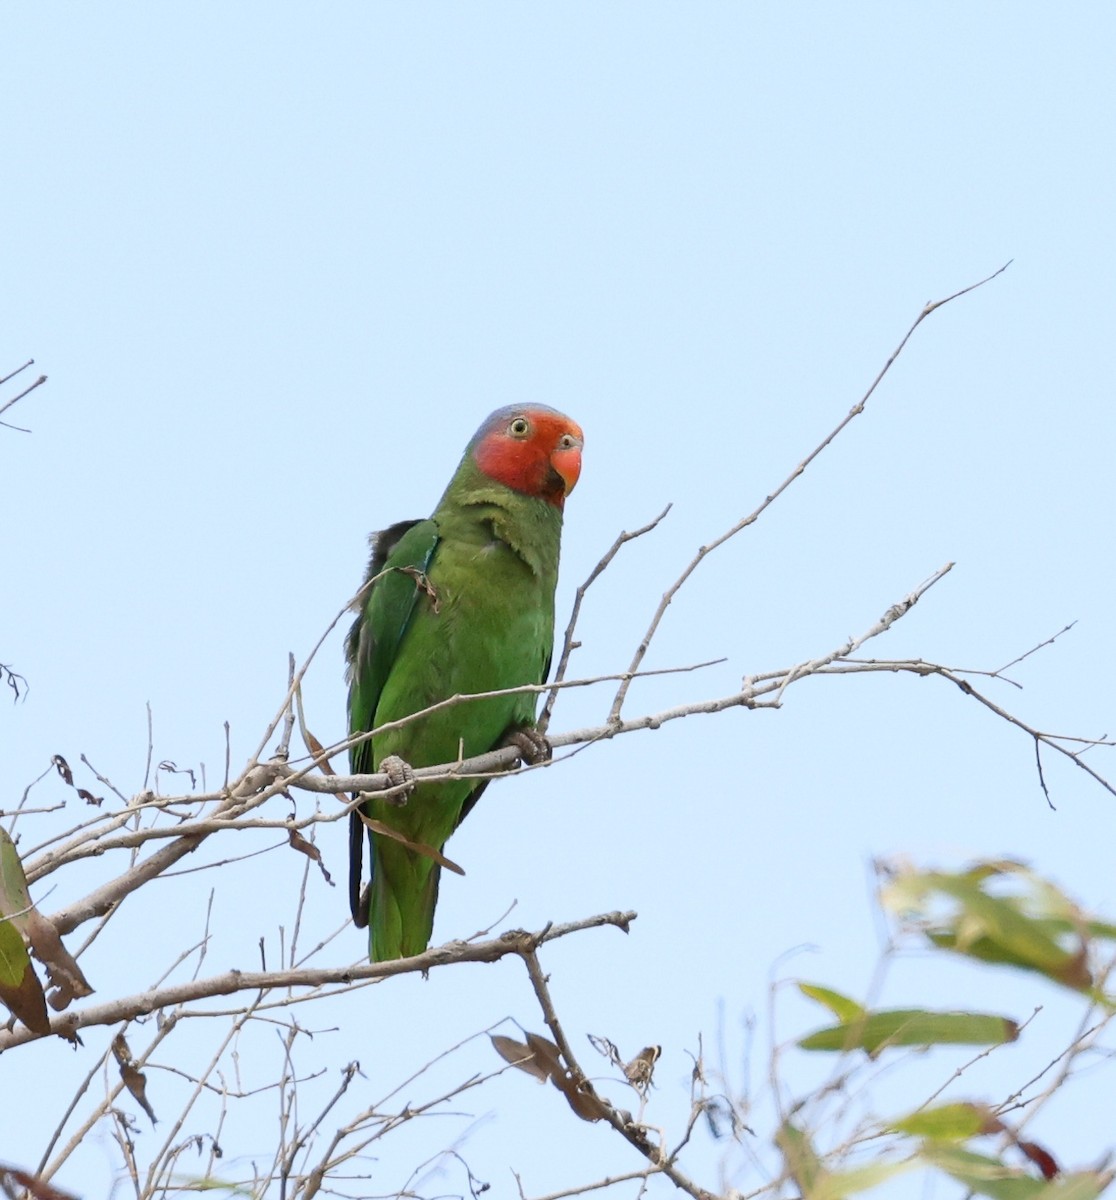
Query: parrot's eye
pixel 519 427
pixel 567 441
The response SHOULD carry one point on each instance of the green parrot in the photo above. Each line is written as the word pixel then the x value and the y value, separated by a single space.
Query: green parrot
pixel 464 604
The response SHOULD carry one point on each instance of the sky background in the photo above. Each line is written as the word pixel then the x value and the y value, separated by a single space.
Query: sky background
pixel 279 261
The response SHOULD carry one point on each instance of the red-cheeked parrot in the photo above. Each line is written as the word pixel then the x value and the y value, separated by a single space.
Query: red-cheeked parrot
pixel 465 604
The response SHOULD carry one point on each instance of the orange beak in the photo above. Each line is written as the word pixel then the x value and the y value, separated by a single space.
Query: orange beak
pixel 566 460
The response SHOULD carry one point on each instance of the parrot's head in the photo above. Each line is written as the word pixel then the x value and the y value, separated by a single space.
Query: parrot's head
pixel 531 449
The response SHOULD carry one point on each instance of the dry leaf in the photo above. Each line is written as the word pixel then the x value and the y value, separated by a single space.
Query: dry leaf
pixel 417 847
pixel 132 1077
pixel 607 1048
pixel 422 583
pixel 299 843
pixel 63 769
pixel 1075 972
pixel 326 767
pixel 12 1178
pixel 172 768
pixel 20 988
pixel 15 904
pixel 519 1055
pixel 65 975
pixel 584 1100
pixel 1042 1159
pixel 541 1058
pixel 547 1054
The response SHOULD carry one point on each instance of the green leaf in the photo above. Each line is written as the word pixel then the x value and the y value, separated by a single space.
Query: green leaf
pixel 1071 970
pixel 1036 927
pixel 985 1176
pixel 20 989
pixel 206 1183
pixel 1000 919
pixel 1080 1185
pixel 14 897
pixel 946 1122
pixel 15 903
pixel 802 1163
pixel 844 1008
pixel 816 1183
pixel 989 1177
pixel 837 1185
pixel 1102 930
pixel 913 1027
pixel 14 959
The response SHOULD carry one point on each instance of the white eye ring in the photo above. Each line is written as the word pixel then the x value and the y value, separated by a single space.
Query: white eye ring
pixel 520 427
pixel 567 441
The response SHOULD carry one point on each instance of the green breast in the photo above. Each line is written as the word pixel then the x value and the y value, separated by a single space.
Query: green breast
pixel 489 625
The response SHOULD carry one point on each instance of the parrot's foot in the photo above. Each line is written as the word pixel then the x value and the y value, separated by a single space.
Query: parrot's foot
pixel 533 746
pixel 400 775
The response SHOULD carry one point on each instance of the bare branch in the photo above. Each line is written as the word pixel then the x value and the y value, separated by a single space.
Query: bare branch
pixel 633 1133
pixel 15 399
pixel 234 982
pixel 756 513
pixel 893 614
pixel 1034 649
pixel 268 780
pixel 568 644
pixel 13 679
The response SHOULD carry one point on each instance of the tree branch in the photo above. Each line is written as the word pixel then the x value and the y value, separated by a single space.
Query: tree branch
pixel 622 1122
pixel 752 517
pixel 234 982
pixel 568 643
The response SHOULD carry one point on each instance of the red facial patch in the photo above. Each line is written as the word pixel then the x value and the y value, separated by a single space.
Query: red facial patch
pixel 536 451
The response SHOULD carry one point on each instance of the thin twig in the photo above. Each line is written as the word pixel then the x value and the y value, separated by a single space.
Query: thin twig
pixel 568 644
pixel 752 517
pixel 235 982
pixel 15 399
pixel 755 693
pixel 893 614
pixel 1034 649
pixel 630 1131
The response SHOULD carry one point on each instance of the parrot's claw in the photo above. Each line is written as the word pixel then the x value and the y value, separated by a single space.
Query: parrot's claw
pixel 533 746
pixel 400 775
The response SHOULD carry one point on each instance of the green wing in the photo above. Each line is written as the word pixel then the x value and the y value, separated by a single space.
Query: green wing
pixel 404 551
pixel 478 791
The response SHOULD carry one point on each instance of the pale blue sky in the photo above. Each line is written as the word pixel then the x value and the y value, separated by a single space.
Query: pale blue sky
pixel 280 260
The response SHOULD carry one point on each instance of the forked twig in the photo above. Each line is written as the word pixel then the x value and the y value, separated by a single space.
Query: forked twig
pixel 632 1133
pixel 568 644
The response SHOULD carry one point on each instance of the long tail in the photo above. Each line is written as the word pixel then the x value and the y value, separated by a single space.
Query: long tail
pixel 404 894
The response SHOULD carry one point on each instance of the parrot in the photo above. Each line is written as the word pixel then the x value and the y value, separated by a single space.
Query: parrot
pixel 459 603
